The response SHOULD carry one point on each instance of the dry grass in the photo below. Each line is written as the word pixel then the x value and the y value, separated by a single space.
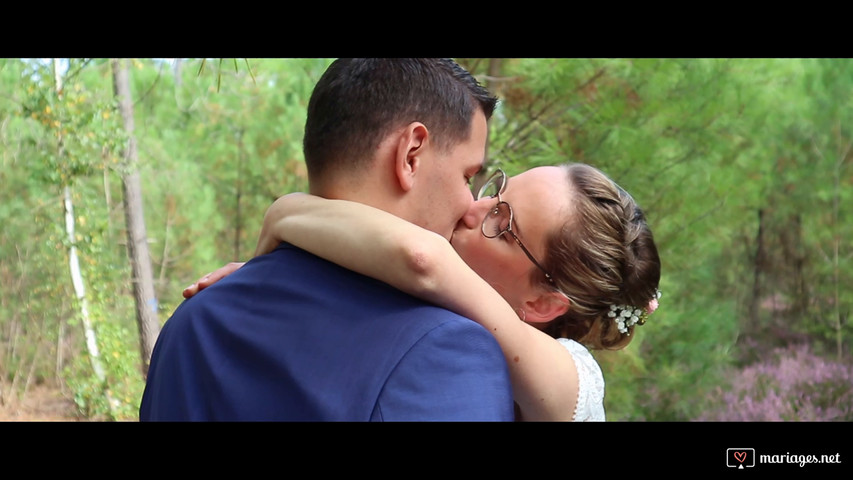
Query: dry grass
pixel 41 403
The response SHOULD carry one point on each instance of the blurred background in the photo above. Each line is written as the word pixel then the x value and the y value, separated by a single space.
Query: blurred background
pixel 122 181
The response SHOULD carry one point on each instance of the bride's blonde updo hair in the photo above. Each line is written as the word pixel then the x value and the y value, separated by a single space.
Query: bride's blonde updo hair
pixel 603 255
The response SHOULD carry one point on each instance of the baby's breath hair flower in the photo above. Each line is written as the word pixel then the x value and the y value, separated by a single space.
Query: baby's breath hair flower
pixel 626 316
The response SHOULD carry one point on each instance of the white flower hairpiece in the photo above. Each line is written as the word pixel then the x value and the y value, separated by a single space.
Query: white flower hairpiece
pixel 628 315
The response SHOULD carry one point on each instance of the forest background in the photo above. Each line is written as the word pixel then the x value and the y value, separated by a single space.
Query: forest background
pixel 125 180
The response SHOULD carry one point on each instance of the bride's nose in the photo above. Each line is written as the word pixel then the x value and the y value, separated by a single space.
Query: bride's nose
pixel 473 218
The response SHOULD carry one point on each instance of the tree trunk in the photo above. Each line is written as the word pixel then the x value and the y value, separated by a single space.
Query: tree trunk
pixel 80 291
pixel 137 237
pixel 759 263
pixel 178 68
pixel 238 227
pixel 495 85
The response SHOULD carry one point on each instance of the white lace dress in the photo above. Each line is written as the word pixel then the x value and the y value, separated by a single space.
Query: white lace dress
pixel 590 406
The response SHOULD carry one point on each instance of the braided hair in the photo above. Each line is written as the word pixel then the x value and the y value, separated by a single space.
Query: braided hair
pixel 603 255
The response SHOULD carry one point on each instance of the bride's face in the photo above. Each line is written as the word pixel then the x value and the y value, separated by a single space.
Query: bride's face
pixel 539 199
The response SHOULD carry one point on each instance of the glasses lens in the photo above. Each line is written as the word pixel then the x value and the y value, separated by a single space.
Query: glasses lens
pixel 497 220
pixel 492 187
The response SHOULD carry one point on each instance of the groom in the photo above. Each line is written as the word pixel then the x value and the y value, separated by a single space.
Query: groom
pixel 292 337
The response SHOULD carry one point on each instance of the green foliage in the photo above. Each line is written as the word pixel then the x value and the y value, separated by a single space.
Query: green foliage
pixel 80 130
pixel 703 145
pixel 230 154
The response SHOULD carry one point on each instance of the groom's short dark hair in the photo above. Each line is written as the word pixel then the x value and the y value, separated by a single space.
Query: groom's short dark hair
pixel 358 101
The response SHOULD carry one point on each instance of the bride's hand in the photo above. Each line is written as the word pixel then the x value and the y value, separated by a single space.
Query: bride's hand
pixel 211 278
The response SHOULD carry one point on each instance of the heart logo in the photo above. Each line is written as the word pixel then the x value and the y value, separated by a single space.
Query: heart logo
pixel 740 456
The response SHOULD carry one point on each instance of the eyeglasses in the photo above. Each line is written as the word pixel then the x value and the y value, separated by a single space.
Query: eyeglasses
pixel 499 219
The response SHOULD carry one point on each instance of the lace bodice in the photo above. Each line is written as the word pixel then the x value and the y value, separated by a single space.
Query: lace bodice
pixel 590 406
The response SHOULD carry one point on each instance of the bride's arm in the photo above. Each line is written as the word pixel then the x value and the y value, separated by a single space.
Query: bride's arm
pixel 422 263
pixel 358 237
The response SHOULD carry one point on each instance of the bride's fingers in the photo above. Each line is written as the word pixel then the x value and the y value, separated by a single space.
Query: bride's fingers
pixel 190 291
pixel 211 278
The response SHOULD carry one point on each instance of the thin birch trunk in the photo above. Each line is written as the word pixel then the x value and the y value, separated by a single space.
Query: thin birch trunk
pixel 80 291
pixel 74 266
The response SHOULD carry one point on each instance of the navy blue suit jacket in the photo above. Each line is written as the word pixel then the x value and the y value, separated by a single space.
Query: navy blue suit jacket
pixel 293 337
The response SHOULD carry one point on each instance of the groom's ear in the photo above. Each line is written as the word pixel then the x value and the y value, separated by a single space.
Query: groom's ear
pixel 411 144
pixel 546 307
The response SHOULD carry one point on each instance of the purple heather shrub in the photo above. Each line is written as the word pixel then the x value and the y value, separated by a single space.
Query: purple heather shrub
pixel 792 384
